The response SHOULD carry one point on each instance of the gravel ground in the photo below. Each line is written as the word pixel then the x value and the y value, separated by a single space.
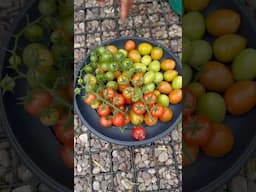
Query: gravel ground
pixel 114 167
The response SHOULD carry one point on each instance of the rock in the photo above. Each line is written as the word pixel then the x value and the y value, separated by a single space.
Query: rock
pixel 96 170
pixel 4 145
pixel 9 177
pixel 25 188
pixel 96 185
pixel 239 184
pixel 163 157
pixel 79 168
pixel 2 171
pixel 175 135
pixel 44 188
pixel 152 171
pixel 83 138
pixel 4 158
pixel 5 190
pixel 24 174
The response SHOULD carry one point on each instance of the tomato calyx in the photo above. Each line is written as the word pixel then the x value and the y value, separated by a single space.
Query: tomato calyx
pixel 193 125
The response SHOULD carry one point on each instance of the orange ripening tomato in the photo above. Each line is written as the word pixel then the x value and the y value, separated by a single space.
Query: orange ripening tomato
pixel 195 5
pixel 175 96
pixel 130 45
pixel 150 121
pixel 168 64
pixel 222 21
pixel 221 142
pixel 167 115
pixel 240 97
pixel 135 56
pixel 112 48
pixel 164 87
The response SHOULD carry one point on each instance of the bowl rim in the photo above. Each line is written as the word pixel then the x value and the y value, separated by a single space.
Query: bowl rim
pixel 115 141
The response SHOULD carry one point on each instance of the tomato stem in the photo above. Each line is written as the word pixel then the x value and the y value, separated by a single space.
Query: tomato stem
pixel 108 103
pixel 58 98
pixel 147 109
pixel 186 153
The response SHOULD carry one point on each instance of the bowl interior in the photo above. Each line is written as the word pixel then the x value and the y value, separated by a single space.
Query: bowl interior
pixel 207 173
pixel 112 134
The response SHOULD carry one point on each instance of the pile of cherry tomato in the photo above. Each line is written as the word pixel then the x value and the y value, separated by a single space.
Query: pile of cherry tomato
pixel 46 63
pixel 218 79
pixel 132 84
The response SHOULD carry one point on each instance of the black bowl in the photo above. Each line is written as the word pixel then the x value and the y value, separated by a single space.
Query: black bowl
pixel 91 120
pixel 34 143
pixel 208 173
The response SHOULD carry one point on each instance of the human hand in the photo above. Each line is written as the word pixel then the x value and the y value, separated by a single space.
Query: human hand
pixel 125 7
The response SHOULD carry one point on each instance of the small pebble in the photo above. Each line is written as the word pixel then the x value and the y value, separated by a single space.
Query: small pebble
pixel 2 171
pixel 96 185
pixel 4 158
pixel 25 188
pixel 163 157
pixel 24 174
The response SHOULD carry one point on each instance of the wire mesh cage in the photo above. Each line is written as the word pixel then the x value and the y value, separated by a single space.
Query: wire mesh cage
pixel 99 165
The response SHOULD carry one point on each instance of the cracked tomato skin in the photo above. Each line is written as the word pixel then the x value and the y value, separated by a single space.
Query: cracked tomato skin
pixel 139 133
pixel 189 102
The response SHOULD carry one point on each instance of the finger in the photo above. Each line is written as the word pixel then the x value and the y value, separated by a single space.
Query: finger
pixel 101 2
pixel 125 8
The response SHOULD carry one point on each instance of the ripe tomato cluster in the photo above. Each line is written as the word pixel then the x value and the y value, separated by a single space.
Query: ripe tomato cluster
pixel 48 59
pixel 132 84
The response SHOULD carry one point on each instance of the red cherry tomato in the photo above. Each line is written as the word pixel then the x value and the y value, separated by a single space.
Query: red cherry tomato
pixel 67 153
pixel 89 99
pixel 150 98
pixel 103 110
pixel 197 130
pixel 118 100
pixel 157 110
pixel 138 108
pixel 39 100
pixel 189 102
pixel 130 45
pixel 105 121
pixel 118 120
pixel 109 93
pixel 150 121
pixel 139 133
